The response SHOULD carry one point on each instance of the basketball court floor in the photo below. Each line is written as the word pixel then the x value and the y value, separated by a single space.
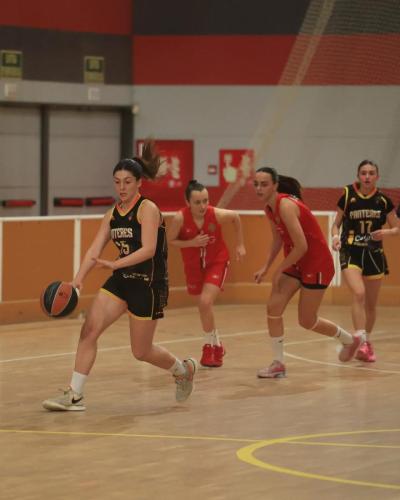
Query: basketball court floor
pixel 329 430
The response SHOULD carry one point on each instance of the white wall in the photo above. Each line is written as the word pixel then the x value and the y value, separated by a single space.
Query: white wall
pixel 316 133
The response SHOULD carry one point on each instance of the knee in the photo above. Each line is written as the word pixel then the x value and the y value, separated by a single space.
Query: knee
pixel 89 333
pixel 359 296
pixel 274 309
pixel 140 354
pixel 308 322
pixel 205 303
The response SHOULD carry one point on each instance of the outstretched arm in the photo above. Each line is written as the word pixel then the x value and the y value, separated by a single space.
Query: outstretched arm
pixel 230 216
pixel 335 230
pixel 289 213
pixel 274 251
pixel 89 260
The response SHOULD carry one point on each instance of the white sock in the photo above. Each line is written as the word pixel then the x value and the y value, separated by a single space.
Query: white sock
pixel 78 381
pixel 367 336
pixel 344 337
pixel 215 337
pixel 362 333
pixel 277 348
pixel 208 337
pixel 177 368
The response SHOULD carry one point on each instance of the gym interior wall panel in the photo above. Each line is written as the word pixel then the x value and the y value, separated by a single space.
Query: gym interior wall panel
pixel 316 133
pixel 84 148
pixel 35 254
pixel 58 56
pixel 98 16
pixel 19 157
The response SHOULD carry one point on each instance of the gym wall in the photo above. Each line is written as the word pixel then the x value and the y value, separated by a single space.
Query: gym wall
pixel 38 251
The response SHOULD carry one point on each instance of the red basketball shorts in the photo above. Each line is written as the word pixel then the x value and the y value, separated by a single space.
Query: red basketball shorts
pixel 214 273
pixel 313 273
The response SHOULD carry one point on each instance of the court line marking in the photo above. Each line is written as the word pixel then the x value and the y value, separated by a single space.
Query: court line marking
pixel 163 342
pixel 328 363
pixel 349 445
pixel 246 455
pixel 229 335
pixel 116 434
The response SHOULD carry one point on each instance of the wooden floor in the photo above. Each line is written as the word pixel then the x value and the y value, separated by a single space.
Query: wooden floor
pixel 327 431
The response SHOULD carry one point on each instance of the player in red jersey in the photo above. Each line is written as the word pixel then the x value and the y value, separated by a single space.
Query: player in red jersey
pixel 197 231
pixel 307 266
pixel 361 213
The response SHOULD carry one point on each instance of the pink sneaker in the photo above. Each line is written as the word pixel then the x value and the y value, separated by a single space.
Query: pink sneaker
pixel 366 353
pixel 275 370
pixel 348 351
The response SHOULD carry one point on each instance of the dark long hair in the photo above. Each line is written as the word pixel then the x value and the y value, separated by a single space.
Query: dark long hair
pixel 193 185
pixel 146 165
pixel 286 184
pixel 367 162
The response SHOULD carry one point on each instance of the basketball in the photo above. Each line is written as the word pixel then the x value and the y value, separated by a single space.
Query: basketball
pixel 59 299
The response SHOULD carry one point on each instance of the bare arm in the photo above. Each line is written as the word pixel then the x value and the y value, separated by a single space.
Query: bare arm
pixel 89 260
pixel 274 251
pixel 230 216
pixel 289 213
pixel 335 230
pixel 201 240
pixel 394 225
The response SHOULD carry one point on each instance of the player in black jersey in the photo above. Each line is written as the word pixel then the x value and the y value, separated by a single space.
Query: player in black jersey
pixel 362 211
pixel 138 285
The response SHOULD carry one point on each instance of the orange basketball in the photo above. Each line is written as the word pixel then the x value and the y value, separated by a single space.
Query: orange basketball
pixel 59 299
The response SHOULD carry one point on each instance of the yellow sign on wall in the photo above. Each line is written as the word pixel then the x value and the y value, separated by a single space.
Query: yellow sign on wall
pixel 10 64
pixel 93 69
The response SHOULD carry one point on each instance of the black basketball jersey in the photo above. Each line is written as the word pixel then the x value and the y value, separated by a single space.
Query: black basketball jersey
pixel 126 233
pixel 363 214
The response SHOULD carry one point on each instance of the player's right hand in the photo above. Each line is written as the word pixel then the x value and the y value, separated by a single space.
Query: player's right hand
pixel 201 240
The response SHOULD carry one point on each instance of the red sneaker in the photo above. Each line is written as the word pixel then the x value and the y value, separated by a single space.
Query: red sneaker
pixel 219 353
pixel 366 353
pixel 275 370
pixel 207 358
pixel 348 351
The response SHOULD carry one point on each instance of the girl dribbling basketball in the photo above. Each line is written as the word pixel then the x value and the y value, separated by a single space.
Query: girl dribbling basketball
pixel 138 284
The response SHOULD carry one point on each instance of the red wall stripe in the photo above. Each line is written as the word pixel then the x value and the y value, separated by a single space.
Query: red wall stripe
pixel 218 60
pixel 98 16
pixel 356 60
pixel 260 60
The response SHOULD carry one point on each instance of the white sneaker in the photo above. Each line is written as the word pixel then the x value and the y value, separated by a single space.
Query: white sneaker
pixel 69 401
pixel 184 383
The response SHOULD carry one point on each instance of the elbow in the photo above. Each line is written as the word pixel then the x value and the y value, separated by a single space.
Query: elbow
pixel 303 249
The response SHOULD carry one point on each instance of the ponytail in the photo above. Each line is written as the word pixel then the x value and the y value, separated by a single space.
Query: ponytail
pixel 147 165
pixel 287 185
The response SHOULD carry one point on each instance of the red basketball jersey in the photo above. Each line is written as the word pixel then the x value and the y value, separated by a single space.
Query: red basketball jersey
pixel 215 251
pixel 318 250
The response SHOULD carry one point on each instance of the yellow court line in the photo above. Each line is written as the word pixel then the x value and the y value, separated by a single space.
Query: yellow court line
pixel 246 455
pixel 115 434
pixel 349 445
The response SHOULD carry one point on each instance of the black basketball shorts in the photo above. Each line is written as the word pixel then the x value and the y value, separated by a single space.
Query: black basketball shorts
pixel 145 301
pixel 371 261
